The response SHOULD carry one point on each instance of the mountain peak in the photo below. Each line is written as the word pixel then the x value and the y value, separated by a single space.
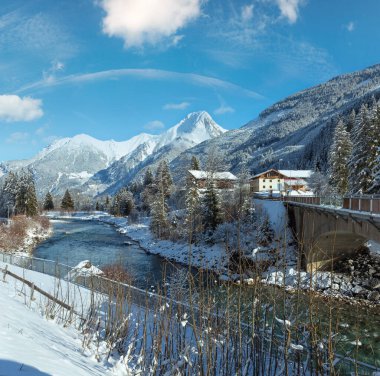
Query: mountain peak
pixel 195 128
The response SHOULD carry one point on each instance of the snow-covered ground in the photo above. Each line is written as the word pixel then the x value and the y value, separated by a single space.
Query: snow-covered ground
pixel 33 345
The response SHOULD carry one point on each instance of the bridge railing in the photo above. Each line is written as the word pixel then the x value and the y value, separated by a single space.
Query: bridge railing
pixel 362 203
pixel 313 200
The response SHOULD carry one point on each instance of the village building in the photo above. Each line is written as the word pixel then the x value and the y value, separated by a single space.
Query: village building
pixel 296 180
pixel 222 180
pixel 280 181
pixel 270 180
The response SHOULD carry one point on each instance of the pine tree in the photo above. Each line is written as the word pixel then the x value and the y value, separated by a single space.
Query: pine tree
pixel 26 198
pixel 194 165
pixel 360 175
pixel 375 189
pixel 164 178
pixel 374 147
pixel 339 157
pixel 122 204
pixel 31 204
pixel 193 219
pixel 8 194
pixel 48 202
pixel 265 232
pixel 148 177
pixel 159 224
pixel 212 216
pixel 67 202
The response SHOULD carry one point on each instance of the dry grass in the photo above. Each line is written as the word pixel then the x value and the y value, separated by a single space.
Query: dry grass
pixel 13 236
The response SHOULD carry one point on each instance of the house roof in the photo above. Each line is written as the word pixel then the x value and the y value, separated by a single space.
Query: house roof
pixel 223 175
pixel 303 174
pixel 264 172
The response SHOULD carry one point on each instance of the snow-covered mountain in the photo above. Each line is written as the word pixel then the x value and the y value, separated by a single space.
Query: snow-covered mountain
pixel 196 128
pixel 91 165
pixel 295 132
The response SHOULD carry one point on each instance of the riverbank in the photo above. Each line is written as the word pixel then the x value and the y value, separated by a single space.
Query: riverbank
pixel 281 273
pixel 23 234
pixel 359 290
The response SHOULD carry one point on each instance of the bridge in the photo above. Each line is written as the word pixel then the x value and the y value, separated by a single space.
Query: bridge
pixel 327 233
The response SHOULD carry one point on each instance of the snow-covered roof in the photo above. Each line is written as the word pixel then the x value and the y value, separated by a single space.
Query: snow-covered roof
pixel 296 173
pixel 223 175
pixel 265 172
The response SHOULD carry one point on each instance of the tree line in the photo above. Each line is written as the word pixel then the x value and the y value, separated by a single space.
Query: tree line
pixel 354 159
pixel 18 196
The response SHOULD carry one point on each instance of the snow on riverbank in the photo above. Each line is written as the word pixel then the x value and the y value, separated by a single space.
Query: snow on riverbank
pixel 23 234
pixel 212 257
pixel 32 345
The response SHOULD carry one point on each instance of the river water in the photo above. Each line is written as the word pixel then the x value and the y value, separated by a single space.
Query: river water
pixel 75 240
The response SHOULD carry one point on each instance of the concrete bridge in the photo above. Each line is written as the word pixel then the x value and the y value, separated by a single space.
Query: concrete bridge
pixel 326 234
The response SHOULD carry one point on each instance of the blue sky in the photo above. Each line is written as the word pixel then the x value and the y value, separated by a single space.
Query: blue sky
pixel 115 68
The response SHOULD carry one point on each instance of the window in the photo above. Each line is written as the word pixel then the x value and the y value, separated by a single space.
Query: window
pixel 263 180
pixel 270 187
pixel 278 180
pixel 263 186
pixel 270 181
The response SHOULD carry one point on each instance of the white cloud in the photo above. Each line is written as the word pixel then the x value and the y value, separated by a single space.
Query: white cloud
pixel 247 13
pixel 14 108
pixel 289 9
pixel 154 125
pixel 17 137
pixel 350 26
pixel 140 22
pixel 176 106
pixel 224 109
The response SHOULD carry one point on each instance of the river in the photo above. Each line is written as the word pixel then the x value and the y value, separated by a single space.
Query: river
pixel 76 240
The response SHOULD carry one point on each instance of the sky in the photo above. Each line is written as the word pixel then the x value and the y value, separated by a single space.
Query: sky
pixel 116 68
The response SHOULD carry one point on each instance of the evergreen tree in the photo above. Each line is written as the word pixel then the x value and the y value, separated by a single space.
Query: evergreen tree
pixel 107 203
pixel 123 203
pixel 339 157
pixel 148 177
pixel 159 223
pixel 212 216
pixel 193 219
pixel 26 198
pixel 48 202
pixel 31 204
pixel 164 178
pixel 265 232
pixel 67 202
pixel 360 175
pixel 97 206
pixel 194 165
pixel 374 147
pixel 375 189
pixel 8 194
pixel 351 121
